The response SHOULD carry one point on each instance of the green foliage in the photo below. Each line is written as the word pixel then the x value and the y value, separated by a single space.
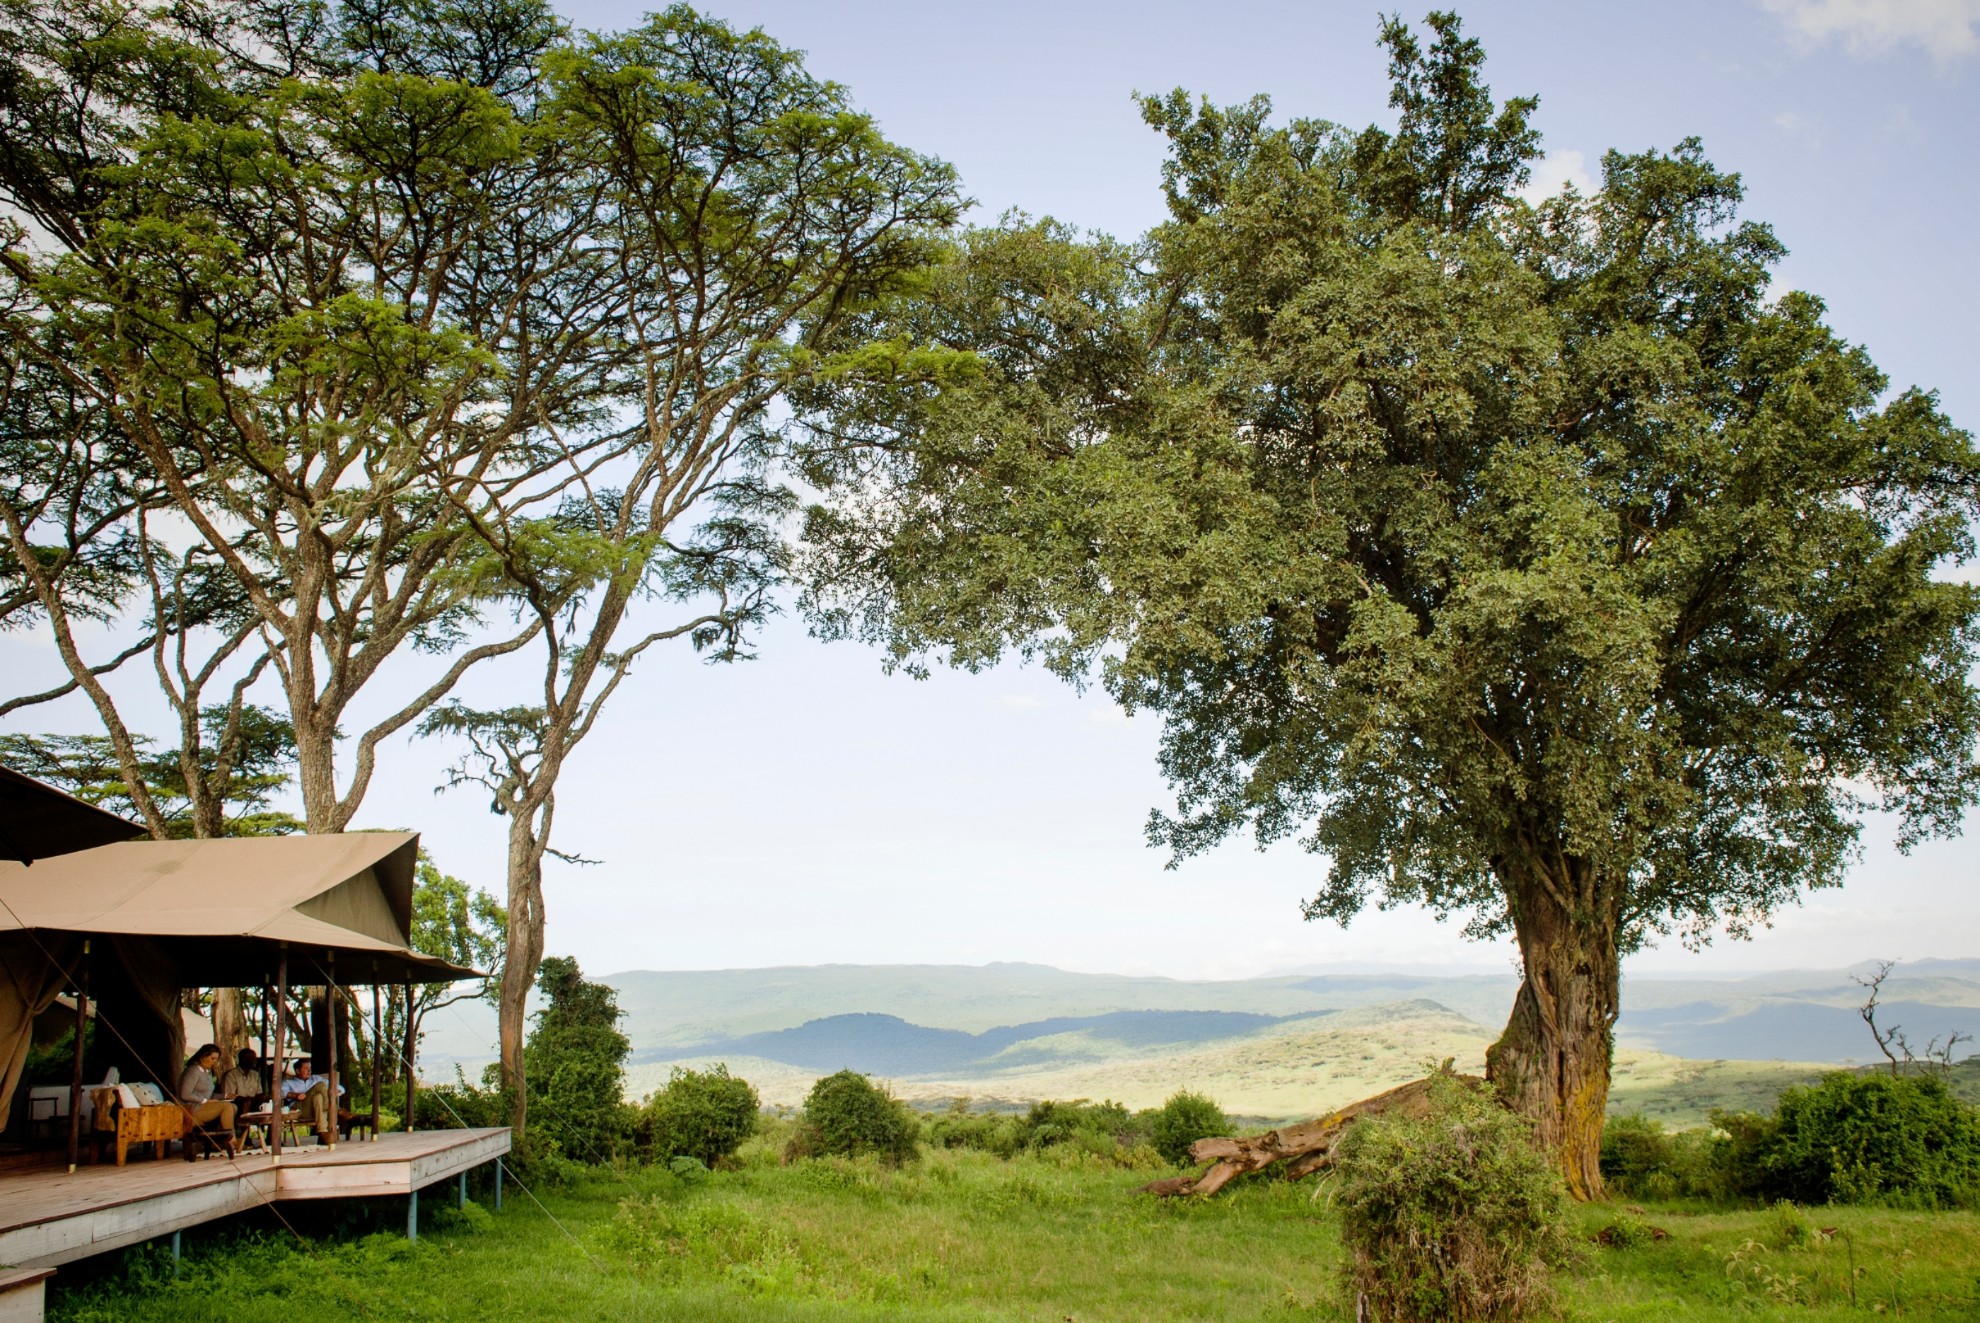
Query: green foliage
pixel 1516 560
pixel 1047 1123
pixel 847 1114
pixel 703 1115
pixel 1643 1160
pixel 54 1062
pixel 243 759
pixel 1452 1216
pixel 1873 1138
pixel 960 1127
pixel 960 1235
pixel 1072 1132
pixel 1185 1118
pixel 456 1106
pixel 574 1064
pixel 1790 1227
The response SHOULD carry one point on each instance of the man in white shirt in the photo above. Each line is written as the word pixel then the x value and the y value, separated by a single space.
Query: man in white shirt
pixel 310 1094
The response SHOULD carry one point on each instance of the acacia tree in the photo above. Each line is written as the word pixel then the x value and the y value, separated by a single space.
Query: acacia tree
pixel 746 211
pixel 1533 564
pixel 64 475
pixel 331 288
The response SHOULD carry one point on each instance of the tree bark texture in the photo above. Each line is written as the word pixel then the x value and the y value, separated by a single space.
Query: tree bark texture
pixel 1552 1062
pixel 230 1026
pixel 524 954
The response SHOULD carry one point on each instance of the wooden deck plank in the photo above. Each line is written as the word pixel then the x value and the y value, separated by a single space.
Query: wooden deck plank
pixel 52 1216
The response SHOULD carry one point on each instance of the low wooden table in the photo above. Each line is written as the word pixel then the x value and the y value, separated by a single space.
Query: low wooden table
pixel 255 1124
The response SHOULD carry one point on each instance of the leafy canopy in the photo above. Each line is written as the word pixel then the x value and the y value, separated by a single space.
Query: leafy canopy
pixel 1504 552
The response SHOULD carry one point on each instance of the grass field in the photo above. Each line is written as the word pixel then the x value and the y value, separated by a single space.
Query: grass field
pixel 969 1236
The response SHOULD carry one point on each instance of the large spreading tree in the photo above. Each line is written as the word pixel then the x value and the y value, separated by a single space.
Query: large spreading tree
pixel 309 279
pixel 437 331
pixel 1539 564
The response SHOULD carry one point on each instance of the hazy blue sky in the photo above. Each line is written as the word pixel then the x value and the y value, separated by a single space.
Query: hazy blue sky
pixel 804 808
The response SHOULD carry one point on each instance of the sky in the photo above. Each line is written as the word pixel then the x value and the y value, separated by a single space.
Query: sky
pixel 807 808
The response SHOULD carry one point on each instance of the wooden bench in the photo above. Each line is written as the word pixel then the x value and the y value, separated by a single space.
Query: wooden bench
pixel 159 1124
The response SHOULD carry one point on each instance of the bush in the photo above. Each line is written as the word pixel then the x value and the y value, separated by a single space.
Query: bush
pixel 1742 1152
pixel 1644 1161
pixel 705 1115
pixel 456 1105
pixel 959 1127
pixel 1454 1216
pixel 1876 1138
pixel 847 1114
pixel 574 1065
pixel 1185 1118
pixel 1092 1126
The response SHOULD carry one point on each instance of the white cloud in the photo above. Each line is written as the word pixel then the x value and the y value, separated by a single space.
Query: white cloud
pixel 1021 702
pixel 1556 171
pixel 1944 29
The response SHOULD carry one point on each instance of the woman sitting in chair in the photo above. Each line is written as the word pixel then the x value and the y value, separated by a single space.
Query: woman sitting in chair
pixel 202 1108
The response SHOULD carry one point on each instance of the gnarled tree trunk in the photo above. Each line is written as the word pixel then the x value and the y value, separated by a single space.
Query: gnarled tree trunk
pixel 1552 1062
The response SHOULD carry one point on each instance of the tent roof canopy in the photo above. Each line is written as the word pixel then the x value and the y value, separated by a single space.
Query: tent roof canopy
pixel 225 908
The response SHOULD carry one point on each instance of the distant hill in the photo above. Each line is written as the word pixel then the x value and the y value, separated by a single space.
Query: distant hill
pixel 1283 1068
pixel 1013 1029
pixel 888 1045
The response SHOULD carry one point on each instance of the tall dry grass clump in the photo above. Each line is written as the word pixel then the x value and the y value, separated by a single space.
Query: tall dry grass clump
pixel 1451 1216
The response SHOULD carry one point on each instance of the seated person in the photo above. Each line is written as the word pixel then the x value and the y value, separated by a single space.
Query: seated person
pixel 196 1095
pixel 310 1094
pixel 242 1085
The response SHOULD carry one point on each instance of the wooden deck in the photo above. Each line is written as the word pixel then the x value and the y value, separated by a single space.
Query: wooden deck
pixel 50 1216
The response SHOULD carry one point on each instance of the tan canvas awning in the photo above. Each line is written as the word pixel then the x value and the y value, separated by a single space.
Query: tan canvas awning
pixel 142 919
pixel 222 908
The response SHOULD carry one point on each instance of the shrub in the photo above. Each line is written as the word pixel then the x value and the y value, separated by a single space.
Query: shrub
pixel 959 1127
pixel 705 1115
pixel 1094 1126
pixel 847 1114
pixel 1644 1161
pixel 1877 1138
pixel 1453 1216
pixel 1742 1153
pixel 1185 1118
pixel 574 1065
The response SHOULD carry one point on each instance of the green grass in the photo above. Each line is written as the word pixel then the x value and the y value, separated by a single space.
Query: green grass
pixel 968 1236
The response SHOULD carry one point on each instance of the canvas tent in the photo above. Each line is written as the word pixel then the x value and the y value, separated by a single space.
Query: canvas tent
pixel 167 915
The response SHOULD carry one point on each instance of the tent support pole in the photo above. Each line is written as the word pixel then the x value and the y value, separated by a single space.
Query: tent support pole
pixel 412 1081
pixel 330 1005
pixel 377 1054
pixel 76 1068
pixel 276 1100
pixel 266 993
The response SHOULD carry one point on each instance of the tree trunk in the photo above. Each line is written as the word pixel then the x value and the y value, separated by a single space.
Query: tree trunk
pixel 1552 1061
pixel 230 1026
pixel 524 954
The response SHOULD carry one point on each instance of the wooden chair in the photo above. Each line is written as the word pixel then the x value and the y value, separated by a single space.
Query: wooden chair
pixel 124 1125
pixel 204 1139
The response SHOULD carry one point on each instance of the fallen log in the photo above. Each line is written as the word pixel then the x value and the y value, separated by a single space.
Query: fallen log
pixel 1304 1148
